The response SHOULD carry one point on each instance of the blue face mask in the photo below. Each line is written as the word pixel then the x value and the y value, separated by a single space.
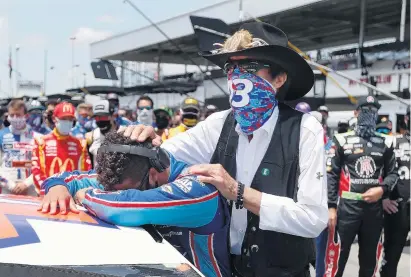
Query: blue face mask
pixel 252 99
pixel 64 127
pixel 35 120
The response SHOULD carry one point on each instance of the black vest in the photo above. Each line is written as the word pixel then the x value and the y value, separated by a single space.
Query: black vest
pixel 269 253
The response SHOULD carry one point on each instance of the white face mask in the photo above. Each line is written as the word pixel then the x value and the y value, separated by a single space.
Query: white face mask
pixel 17 123
pixel 145 116
pixel 64 127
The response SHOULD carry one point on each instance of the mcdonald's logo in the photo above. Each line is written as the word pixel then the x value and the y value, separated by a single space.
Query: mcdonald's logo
pixel 67 108
pixel 61 166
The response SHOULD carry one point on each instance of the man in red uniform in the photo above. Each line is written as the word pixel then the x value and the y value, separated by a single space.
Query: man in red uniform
pixel 59 151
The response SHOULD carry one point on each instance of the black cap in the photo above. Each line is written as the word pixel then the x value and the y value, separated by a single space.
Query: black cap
pixel 369 100
pixel 343 121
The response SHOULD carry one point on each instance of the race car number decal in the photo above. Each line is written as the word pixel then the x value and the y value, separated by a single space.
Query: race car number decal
pixel 16 230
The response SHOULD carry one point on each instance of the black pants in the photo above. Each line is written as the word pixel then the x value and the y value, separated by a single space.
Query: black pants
pixel 396 228
pixel 366 221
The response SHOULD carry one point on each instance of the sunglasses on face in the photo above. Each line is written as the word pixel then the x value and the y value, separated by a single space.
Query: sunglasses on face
pixel 145 108
pixel 249 66
pixel 369 108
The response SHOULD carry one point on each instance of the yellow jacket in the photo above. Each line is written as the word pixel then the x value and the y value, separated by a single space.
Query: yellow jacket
pixel 173 132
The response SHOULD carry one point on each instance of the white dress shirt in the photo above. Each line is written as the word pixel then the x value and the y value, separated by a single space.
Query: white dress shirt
pixel 307 217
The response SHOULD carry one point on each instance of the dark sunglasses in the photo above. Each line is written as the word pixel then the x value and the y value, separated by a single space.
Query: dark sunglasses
pixel 145 108
pixel 249 66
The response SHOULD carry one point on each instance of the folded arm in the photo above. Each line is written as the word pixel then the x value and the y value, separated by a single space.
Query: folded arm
pixel 183 203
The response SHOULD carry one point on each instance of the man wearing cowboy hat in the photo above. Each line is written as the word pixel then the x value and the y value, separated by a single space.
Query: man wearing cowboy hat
pixel 266 158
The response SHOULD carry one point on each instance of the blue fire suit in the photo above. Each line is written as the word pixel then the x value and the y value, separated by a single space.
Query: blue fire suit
pixel 195 214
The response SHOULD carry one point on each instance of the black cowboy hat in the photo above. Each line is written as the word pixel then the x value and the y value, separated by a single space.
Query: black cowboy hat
pixel 276 51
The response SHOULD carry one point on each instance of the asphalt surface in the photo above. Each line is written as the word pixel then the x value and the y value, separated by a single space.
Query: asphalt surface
pixel 351 269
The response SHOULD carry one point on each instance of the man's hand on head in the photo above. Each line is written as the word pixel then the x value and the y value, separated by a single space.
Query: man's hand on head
pixel 141 133
pixel 58 195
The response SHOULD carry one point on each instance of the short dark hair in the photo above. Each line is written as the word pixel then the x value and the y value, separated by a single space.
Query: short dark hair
pixel 52 102
pixel 17 104
pixel 145 97
pixel 113 168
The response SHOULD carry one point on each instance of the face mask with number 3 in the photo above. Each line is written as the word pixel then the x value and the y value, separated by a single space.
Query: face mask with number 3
pixel 252 99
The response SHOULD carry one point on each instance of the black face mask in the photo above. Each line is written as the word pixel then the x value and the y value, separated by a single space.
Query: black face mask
pixel 104 125
pixel 6 123
pixel 162 122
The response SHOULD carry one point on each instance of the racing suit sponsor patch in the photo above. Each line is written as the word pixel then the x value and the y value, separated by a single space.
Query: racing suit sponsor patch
pixel 167 188
pixel 358 151
pixel 376 154
pixel 377 140
pixel 353 140
pixel 348 152
pixel 348 146
pixel 365 167
pixel 51 143
pixel 184 184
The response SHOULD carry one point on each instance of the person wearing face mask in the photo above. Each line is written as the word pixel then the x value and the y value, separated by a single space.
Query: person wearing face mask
pixel 363 171
pixel 16 142
pixel 59 151
pixel 264 157
pixel 35 118
pixel 163 120
pixel 397 205
pixel 84 122
pixel 190 116
pixel 104 122
pixel 145 110
pixel 48 114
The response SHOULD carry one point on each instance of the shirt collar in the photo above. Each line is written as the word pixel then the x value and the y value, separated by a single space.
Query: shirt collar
pixel 268 127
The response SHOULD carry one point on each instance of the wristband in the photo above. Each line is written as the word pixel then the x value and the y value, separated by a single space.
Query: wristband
pixel 239 204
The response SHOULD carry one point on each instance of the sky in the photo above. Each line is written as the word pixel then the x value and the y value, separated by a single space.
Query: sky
pixel 36 26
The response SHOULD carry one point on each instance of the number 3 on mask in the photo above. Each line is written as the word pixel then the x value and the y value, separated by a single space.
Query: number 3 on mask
pixel 247 88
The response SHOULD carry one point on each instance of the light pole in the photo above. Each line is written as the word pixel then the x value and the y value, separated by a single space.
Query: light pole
pixel 72 61
pixel 85 79
pixel 75 75
pixel 17 69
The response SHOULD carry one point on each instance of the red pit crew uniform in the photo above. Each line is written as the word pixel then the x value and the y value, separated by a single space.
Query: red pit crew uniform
pixel 357 166
pixel 55 153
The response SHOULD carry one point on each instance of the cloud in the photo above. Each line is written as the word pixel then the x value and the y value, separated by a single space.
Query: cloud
pixel 109 19
pixel 89 35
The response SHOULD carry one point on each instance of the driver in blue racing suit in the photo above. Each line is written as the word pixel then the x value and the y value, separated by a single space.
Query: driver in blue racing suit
pixel 117 193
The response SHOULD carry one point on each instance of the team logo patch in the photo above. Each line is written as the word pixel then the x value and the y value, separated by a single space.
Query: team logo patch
pixel 369 144
pixel 365 167
pixel 184 184
pixel 376 154
pixel 265 171
pixel 358 151
pixel 348 152
pixel 370 99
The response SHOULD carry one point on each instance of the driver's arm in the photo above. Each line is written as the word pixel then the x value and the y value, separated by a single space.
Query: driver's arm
pixel 73 181
pixel 184 203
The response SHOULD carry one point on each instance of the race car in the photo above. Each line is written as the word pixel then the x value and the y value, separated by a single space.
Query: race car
pixel 37 244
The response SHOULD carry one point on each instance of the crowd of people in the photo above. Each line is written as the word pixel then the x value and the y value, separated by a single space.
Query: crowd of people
pixel 38 141
pixel 261 189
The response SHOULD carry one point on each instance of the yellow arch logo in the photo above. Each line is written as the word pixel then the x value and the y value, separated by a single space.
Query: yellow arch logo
pixel 67 108
pixel 61 166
